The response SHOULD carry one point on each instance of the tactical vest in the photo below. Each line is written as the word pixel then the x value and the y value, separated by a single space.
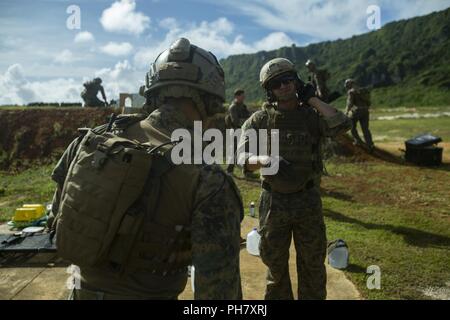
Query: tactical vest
pixel 108 215
pixel 299 143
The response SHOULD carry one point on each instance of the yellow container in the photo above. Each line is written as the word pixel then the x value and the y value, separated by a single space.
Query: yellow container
pixel 25 214
pixel 40 209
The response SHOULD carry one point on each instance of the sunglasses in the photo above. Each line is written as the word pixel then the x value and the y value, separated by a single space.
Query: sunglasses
pixel 277 82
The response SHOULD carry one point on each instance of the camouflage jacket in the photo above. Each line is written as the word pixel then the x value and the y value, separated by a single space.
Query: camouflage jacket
pixel 358 98
pixel 216 214
pixel 319 80
pixel 238 114
pixel 91 90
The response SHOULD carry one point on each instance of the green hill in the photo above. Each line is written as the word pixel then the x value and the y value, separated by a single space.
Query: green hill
pixel 407 62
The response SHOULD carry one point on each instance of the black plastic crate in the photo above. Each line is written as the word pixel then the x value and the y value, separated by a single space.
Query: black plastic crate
pixel 424 156
pixel 422 150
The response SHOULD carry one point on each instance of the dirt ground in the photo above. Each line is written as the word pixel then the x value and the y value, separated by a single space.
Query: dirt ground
pixel 44 277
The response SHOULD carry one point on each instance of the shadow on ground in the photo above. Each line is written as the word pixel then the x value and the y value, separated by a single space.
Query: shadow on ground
pixel 412 236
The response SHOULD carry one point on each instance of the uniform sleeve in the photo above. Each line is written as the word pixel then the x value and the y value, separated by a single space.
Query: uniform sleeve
pixel 350 100
pixel 59 175
pixel 321 80
pixel 234 115
pixel 334 125
pixel 102 90
pixel 246 112
pixel 215 232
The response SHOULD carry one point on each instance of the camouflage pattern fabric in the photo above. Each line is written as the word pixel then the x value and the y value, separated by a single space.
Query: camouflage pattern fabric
pixel 215 214
pixel 358 109
pixel 238 114
pixel 319 80
pixel 90 92
pixel 299 216
pixel 361 116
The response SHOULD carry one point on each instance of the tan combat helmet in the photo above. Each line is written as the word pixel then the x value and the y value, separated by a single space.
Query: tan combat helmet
pixel 189 65
pixel 274 68
pixel 348 83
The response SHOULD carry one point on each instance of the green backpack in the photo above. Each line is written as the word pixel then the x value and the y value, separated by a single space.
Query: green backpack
pixel 101 210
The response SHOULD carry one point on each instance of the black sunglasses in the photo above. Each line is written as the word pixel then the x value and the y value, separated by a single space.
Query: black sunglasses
pixel 276 83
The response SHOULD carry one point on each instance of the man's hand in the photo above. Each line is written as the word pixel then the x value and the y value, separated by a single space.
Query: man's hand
pixel 306 92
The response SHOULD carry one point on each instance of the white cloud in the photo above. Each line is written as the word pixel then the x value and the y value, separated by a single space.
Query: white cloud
pixel 65 56
pixel 16 89
pixel 122 17
pixel 83 37
pixel 168 23
pixel 117 49
pixel 273 41
pixel 122 78
pixel 217 36
pixel 327 20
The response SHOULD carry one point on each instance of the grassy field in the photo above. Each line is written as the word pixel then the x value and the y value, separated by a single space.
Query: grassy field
pixel 391 215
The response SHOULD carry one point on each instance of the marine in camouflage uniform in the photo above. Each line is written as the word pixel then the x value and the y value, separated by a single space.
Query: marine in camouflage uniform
pixel 90 91
pixel 358 110
pixel 237 114
pixel 202 198
pixel 290 201
pixel 319 80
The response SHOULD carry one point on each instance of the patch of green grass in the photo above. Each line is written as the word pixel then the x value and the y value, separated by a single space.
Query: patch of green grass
pixel 395 217
pixel 402 129
pixel 33 185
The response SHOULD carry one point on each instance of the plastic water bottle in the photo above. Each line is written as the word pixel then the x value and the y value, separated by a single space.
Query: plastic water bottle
pixel 252 209
pixel 338 255
pixel 253 239
pixel 192 278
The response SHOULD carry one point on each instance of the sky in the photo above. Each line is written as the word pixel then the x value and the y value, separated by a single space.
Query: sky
pixel 48 48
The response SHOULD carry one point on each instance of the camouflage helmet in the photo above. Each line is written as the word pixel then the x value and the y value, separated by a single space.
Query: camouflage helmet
pixel 274 68
pixel 97 80
pixel 186 64
pixel 348 83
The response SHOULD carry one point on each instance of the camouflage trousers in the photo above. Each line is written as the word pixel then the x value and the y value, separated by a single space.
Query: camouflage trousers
pixel 361 115
pixel 299 216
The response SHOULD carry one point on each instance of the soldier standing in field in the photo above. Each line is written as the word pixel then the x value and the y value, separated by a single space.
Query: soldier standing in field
pixel 290 201
pixel 319 78
pixel 358 104
pixel 90 91
pixel 237 114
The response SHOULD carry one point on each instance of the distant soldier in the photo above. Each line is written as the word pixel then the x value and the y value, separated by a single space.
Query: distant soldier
pixel 237 114
pixel 89 94
pixel 319 80
pixel 358 103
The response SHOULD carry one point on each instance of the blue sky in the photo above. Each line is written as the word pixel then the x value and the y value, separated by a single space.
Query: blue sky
pixel 41 59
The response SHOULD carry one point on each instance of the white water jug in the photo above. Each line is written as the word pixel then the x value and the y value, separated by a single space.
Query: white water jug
pixel 253 239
